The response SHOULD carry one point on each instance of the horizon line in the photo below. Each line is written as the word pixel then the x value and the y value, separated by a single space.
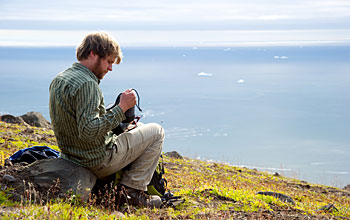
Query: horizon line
pixel 189 45
pixel 137 38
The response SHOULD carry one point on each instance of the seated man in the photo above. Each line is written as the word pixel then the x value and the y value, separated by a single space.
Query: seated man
pixel 83 127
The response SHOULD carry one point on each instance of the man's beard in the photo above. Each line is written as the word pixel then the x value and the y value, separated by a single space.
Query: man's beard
pixel 97 69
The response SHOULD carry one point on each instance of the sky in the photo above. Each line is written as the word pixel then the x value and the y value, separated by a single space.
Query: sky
pixel 176 23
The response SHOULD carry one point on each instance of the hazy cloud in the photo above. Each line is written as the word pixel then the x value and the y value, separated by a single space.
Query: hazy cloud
pixel 175 12
pixel 193 23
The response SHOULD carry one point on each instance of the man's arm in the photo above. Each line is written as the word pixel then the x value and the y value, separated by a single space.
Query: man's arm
pixel 91 124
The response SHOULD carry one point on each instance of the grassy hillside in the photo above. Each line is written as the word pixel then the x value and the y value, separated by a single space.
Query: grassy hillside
pixel 211 191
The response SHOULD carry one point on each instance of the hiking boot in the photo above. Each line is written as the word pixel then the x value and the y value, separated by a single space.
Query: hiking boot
pixel 139 198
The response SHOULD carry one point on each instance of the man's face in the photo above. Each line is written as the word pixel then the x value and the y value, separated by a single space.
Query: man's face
pixel 102 66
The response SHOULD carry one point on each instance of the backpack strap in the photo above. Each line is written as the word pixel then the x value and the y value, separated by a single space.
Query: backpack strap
pixel 169 200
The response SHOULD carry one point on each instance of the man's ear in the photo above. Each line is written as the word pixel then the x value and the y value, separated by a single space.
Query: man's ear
pixel 92 54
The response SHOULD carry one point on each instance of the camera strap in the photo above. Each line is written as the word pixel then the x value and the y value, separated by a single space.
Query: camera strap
pixel 138 100
pixel 110 106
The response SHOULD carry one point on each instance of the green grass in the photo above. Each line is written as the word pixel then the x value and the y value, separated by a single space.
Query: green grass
pixel 210 190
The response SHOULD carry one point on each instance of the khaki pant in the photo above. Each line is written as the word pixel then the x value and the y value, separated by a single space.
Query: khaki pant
pixel 140 147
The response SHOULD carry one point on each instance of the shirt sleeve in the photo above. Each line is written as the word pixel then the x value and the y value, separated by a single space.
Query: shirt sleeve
pixel 91 124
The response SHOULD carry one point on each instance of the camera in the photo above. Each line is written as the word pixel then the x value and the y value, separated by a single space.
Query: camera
pixel 129 114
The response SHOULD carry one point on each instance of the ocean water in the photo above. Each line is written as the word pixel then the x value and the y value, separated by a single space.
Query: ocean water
pixel 278 109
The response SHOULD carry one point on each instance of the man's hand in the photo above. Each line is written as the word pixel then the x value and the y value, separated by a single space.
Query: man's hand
pixel 127 100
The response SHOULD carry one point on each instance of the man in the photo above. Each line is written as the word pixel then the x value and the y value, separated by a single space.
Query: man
pixel 83 127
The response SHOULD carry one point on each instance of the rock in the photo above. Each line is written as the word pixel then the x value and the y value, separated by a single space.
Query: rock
pixel 279 196
pixel 12 119
pixel 276 174
pixel 173 154
pixel 9 178
pixel 35 119
pixel 31 118
pixel 347 187
pixel 72 177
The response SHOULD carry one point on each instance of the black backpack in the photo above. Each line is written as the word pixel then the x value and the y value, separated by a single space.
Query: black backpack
pixel 158 184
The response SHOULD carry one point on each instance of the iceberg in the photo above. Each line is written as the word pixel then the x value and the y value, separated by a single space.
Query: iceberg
pixel 204 74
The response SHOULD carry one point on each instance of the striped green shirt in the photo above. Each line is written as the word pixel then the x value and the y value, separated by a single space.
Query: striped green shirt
pixel 79 118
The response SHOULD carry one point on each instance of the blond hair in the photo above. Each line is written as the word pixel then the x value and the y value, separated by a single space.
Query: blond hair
pixel 101 44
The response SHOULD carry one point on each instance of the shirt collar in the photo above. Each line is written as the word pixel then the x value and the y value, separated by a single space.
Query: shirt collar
pixel 87 71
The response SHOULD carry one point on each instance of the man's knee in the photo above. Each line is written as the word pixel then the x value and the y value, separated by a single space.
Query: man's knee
pixel 158 133
pixel 159 130
pixel 152 133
